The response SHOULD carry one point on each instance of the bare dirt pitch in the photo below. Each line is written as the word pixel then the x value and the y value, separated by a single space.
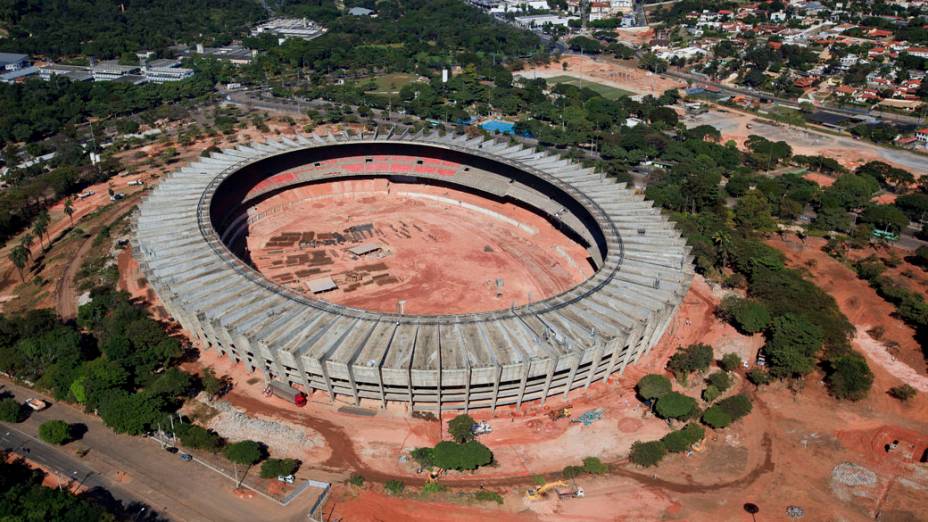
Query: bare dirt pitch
pixel 438 250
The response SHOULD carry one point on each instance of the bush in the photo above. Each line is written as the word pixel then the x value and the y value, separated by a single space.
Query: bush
pixel 695 357
pixel 675 406
pixel 736 406
pixel 55 432
pixel 653 386
pixel 461 428
pixel 647 454
pixel 758 377
pixel 710 393
pixel 356 479
pixel 730 362
pixel 488 496
pixel 11 410
pixel 720 380
pixel 538 480
pixel 716 417
pixel 394 487
pixel 432 487
pixel 849 377
pixel 571 472
pixel 683 439
pixel 271 468
pixel 594 465
pixel 903 392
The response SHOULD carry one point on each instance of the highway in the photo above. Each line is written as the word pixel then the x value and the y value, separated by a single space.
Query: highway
pixel 138 470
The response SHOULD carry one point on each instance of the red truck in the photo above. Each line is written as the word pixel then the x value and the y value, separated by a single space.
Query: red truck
pixel 285 392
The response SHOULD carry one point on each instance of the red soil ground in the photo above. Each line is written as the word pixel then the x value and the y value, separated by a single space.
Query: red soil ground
pixel 864 308
pixel 436 255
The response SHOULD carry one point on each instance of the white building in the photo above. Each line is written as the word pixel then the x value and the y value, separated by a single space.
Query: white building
pixel 166 74
pixel 111 70
pixel 284 28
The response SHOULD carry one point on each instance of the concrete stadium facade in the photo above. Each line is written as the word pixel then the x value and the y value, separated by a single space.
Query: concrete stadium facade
pixel 189 242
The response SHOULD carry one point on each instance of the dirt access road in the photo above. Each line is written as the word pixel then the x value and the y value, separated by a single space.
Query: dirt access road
pixel 175 489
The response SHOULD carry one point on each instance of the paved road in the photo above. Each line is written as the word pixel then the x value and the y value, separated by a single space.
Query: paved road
pixel 137 469
pixel 842 111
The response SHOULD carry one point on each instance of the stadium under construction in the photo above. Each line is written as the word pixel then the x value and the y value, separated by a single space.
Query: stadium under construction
pixel 287 307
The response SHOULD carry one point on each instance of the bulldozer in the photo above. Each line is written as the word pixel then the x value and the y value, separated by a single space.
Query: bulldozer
pixel 541 491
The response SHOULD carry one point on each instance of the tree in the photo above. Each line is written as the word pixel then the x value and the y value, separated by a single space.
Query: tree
pixel 736 406
pixel 40 226
pixel 461 428
pixel 19 256
pixel 423 457
pixel 675 406
pixel 133 414
pixel 710 393
pixel 594 466
pixel 246 452
pixel 272 468
pixel 55 432
pixel 695 357
pixel 792 344
pixel 747 315
pixel 885 217
pixel 197 437
pixel 903 392
pixel 11 410
pixel 647 454
pixel 653 386
pixel 683 439
pixel 467 456
pixel 730 362
pixel 752 212
pixel 571 472
pixel 69 209
pixel 716 417
pixel 849 377
pixel 212 385
pixel 720 380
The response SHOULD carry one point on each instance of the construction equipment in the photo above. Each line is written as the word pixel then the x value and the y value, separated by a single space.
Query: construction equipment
pixel 589 417
pixel 283 391
pixel 561 413
pixel 540 492
pixel 573 492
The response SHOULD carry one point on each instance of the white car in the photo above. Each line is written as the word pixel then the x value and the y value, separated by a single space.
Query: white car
pixel 288 479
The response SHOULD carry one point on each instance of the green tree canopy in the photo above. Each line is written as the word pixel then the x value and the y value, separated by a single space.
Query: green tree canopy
pixel 675 406
pixel 461 428
pixel 792 344
pixel 55 432
pixel 272 468
pixel 654 386
pixel 647 454
pixel 246 452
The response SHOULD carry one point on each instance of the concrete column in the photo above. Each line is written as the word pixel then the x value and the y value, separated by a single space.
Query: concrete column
pixel 594 363
pixel 354 387
pixel 528 366
pixel 573 372
pixel 552 364
pixel 467 389
pixel 499 376
pixel 383 393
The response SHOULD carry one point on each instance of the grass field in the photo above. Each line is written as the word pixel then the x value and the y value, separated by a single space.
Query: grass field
pixel 605 91
pixel 390 83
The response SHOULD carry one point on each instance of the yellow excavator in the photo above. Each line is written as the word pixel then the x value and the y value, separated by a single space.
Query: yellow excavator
pixel 540 492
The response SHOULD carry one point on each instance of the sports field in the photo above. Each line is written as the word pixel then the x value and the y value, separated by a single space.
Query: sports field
pixel 606 91
pixel 390 83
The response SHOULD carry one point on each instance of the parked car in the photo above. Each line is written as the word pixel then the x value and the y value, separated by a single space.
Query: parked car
pixel 171 449
pixel 285 478
pixel 186 457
